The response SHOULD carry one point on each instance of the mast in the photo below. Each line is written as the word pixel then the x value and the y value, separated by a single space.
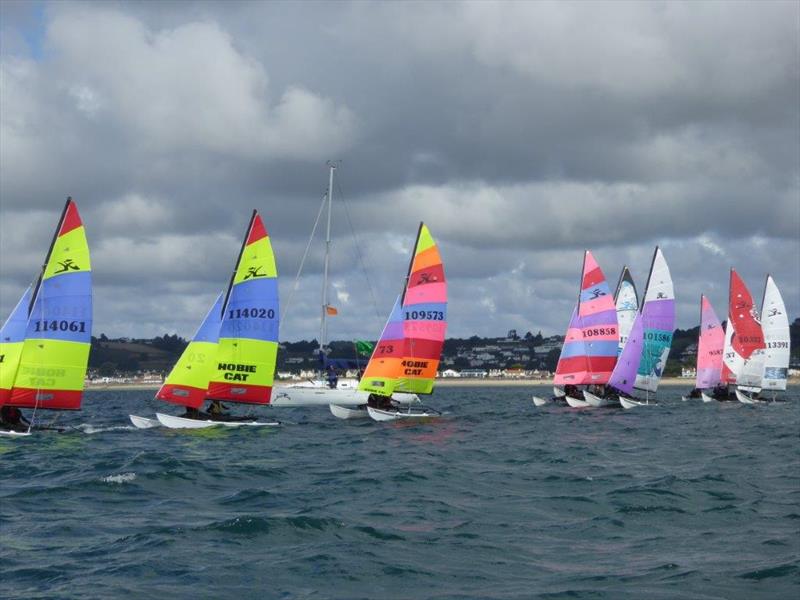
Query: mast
pixel 47 257
pixel 238 260
pixel 411 263
pixel 323 324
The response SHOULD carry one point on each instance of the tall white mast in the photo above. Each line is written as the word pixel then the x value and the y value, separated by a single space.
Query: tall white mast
pixel 323 326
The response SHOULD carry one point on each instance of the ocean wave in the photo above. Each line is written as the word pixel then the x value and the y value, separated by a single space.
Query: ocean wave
pixel 121 478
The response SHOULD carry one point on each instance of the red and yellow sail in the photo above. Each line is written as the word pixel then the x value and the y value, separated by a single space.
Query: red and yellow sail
pixel 247 350
pixel 406 357
pixel 55 353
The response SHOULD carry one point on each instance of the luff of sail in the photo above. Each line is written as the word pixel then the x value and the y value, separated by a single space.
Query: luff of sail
pixel 598 321
pixel 248 339
pixel 424 306
pixel 709 347
pixel 12 336
pixel 658 321
pixel 775 325
pixel 626 301
pixel 380 374
pixel 187 382
pixel 55 352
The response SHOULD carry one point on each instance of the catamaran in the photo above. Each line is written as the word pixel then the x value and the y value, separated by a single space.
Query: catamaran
pixel 232 356
pixel 771 369
pixel 592 339
pixel 710 342
pixel 626 302
pixel 406 357
pixel 642 361
pixel 44 344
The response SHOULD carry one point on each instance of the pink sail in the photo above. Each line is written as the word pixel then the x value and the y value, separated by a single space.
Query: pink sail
pixel 709 347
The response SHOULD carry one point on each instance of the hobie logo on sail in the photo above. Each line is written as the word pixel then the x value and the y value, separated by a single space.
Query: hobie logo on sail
pixel 66 265
pixel 254 272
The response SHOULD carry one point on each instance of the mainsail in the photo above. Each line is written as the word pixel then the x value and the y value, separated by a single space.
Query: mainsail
pixel 775 325
pixel 658 321
pixel 598 321
pixel 627 303
pixel 407 356
pixel 12 336
pixel 187 382
pixel 247 349
pixel 573 362
pixel 746 360
pixel 55 352
pixel 623 377
pixel 709 347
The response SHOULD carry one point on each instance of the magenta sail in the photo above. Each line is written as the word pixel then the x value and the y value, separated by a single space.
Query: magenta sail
pixel 709 347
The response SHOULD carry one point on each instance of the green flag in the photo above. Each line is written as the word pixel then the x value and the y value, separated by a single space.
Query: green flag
pixel 364 348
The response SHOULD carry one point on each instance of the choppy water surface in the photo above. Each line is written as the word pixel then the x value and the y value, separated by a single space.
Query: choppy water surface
pixel 498 499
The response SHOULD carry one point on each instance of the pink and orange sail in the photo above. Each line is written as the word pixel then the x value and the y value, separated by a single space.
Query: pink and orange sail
pixel 233 354
pixel 590 346
pixel 44 365
pixel 709 347
pixel 407 355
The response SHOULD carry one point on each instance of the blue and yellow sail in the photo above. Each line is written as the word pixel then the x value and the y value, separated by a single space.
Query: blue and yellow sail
pixel 12 336
pixel 247 350
pixel 55 352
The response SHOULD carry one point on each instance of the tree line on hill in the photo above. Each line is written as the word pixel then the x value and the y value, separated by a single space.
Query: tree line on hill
pixel 125 355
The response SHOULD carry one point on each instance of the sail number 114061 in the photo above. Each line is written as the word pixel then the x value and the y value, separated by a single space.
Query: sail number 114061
pixel 74 326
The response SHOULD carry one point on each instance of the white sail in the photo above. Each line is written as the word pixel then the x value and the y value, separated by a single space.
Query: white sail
pixel 627 303
pixel 775 324
pixel 730 359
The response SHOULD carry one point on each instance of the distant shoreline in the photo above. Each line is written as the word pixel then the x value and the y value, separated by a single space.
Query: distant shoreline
pixel 443 382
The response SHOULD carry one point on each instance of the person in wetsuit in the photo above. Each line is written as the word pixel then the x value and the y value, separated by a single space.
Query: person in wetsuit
pixel 333 378
pixel 695 393
pixel 382 402
pixel 217 411
pixel 11 419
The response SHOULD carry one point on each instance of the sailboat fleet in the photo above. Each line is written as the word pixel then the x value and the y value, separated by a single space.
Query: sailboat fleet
pixel 614 353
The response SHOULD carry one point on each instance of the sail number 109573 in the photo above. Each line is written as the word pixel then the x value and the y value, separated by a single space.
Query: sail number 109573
pixel 74 326
pixel 251 313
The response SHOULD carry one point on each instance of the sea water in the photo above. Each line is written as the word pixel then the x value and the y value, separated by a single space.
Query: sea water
pixel 497 499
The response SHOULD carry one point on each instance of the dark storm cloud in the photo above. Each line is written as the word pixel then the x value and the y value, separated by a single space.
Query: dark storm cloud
pixel 520 132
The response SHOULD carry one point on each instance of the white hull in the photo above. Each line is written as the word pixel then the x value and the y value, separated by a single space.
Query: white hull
pixel 6 433
pixel 631 403
pixel 182 423
pixel 745 399
pixel 396 415
pixel 575 403
pixel 538 401
pixel 144 422
pixel 312 395
pixel 347 412
pixel 597 401
pixel 706 397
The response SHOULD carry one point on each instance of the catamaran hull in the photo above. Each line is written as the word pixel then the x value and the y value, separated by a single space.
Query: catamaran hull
pixel 576 403
pixel 316 396
pixel 14 434
pixel 144 422
pixel 349 412
pixel 599 401
pixel 394 415
pixel 538 401
pixel 745 399
pixel 706 397
pixel 628 403
pixel 182 423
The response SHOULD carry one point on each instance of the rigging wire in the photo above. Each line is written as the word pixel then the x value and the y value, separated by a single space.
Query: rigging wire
pixel 303 260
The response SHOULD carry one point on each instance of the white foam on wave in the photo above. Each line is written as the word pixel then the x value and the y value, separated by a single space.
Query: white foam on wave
pixel 121 478
pixel 90 429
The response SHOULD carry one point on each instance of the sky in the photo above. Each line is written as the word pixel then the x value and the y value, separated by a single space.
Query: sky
pixel 521 133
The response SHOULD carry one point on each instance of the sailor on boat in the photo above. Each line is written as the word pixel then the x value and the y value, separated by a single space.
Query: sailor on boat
pixel 381 402
pixel 11 419
pixel 333 378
